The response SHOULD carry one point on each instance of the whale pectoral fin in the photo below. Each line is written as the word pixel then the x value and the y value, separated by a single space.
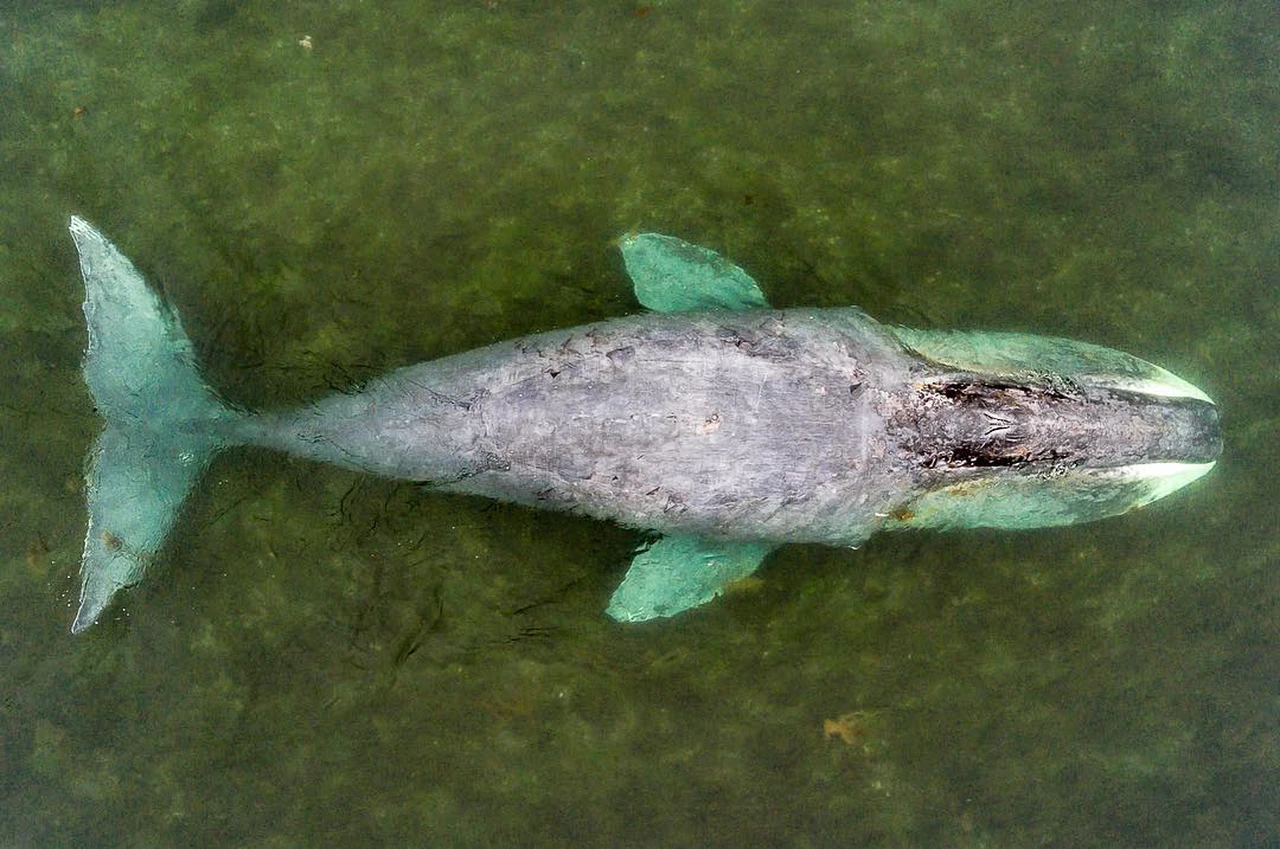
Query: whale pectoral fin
pixel 677 573
pixel 671 275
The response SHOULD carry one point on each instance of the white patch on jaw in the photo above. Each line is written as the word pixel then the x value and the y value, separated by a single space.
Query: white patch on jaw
pixel 1164 478
pixel 1162 384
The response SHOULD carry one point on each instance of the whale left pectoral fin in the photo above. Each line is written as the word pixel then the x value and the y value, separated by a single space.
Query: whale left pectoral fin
pixel 671 275
pixel 677 573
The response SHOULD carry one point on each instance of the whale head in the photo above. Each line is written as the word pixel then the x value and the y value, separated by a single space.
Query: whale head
pixel 1010 430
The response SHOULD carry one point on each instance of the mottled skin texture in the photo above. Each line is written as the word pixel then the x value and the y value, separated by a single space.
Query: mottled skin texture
pixel 798 425
pixel 758 425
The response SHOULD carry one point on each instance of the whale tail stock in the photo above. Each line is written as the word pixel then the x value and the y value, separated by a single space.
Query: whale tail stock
pixel 163 424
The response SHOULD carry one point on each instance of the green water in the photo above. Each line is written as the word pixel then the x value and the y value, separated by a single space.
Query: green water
pixel 322 659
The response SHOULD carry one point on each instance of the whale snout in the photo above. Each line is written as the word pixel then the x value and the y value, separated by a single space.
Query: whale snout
pixel 1140 428
pixel 1196 432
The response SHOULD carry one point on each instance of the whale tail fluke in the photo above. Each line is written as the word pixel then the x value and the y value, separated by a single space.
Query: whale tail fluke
pixel 163 424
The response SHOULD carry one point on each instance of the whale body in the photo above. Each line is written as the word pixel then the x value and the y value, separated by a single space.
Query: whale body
pixel 720 426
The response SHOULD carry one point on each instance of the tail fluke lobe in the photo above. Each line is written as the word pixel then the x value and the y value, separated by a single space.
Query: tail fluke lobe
pixel 137 481
pixel 163 424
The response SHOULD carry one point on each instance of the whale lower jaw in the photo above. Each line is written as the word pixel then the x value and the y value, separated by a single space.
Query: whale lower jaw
pixel 1165 478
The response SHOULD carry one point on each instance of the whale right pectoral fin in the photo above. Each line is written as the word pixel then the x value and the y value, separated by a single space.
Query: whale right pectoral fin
pixel 677 573
pixel 671 275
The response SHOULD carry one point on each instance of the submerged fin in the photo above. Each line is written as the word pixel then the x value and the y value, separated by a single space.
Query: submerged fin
pixel 162 422
pixel 677 573
pixel 671 275
pixel 137 481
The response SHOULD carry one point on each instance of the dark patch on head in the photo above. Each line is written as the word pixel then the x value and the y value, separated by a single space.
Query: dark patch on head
pixel 1051 425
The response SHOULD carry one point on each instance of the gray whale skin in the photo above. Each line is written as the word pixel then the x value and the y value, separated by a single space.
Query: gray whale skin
pixel 721 426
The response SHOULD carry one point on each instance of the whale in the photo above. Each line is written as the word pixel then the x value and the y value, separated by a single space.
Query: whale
pixel 717 426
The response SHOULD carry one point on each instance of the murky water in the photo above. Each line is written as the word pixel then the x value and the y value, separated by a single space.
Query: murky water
pixel 328 190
